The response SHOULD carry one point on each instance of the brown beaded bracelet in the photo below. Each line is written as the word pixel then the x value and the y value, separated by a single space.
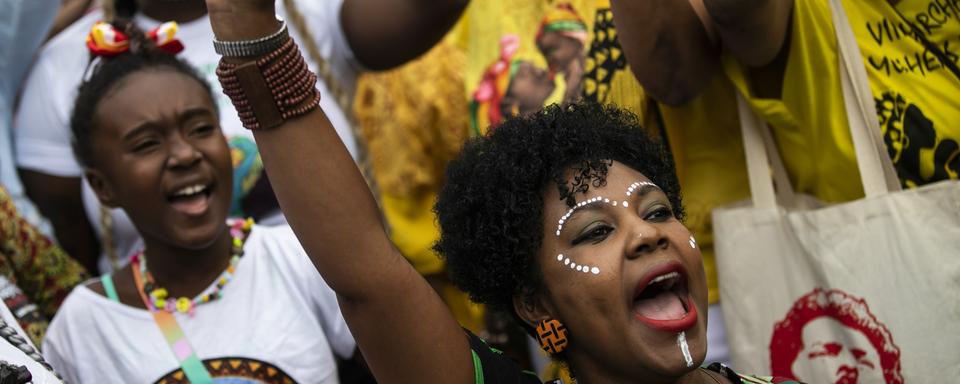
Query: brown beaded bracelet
pixel 276 87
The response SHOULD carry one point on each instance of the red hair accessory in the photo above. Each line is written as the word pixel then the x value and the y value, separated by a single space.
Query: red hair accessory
pixel 105 40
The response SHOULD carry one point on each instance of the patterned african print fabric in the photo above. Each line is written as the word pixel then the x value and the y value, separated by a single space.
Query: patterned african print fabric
pixel 35 274
pixel 240 370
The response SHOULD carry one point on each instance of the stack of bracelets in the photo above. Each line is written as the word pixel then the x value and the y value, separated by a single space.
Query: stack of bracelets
pixel 281 71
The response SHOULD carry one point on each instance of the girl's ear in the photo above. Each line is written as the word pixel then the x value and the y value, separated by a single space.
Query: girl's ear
pixel 101 187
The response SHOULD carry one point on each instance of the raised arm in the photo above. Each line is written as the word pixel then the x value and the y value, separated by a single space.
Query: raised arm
pixel 667 46
pixel 386 33
pixel 673 45
pixel 753 30
pixel 402 327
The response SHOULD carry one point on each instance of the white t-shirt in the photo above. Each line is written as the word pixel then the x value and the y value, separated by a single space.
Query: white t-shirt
pixel 276 312
pixel 13 355
pixel 42 125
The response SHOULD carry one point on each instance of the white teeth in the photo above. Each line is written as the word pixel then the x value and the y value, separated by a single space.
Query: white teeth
pixel 660 278
pixel 190 190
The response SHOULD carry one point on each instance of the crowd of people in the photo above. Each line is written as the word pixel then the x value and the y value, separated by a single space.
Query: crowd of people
pixel 458 192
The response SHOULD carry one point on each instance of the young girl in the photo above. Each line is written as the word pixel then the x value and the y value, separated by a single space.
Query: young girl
pixel 207 298
pixel 568 219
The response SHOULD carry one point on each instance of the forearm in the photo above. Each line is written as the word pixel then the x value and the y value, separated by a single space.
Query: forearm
pixel 387 33
pixel 667 46
pixel 403 328
pixel 752 30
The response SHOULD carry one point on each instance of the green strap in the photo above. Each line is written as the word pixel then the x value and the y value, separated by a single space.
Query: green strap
pixel 477 368
pixel 108 288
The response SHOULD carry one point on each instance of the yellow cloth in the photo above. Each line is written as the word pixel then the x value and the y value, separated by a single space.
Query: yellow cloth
pixel 708 149
pixel 918 99
pixel 412 128
pixel 605 78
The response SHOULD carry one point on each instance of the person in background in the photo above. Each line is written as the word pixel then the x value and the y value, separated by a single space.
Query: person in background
pixel 70 11
pixel 562 39
pixel 207 297
pixel 35 274
pixel 783 56
pixel 345 37
pixel 412 129
pixel 24 23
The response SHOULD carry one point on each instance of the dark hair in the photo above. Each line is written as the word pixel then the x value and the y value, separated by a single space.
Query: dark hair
pixel 109 72
pixel 125 8
pixel 490 210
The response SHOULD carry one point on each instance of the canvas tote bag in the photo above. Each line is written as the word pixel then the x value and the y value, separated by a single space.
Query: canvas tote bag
pixel 861 292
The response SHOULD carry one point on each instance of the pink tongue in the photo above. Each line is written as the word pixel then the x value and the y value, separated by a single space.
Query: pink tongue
pixel 664 306
pixel 193 205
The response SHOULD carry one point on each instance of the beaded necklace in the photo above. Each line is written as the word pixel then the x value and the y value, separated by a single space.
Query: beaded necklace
pixel 159 299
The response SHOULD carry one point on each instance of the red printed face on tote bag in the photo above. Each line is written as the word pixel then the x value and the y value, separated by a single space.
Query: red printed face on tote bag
pixel 864 351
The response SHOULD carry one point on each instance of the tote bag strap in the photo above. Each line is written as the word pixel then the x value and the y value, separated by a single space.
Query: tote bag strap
pixel 876 169
pixel 763 161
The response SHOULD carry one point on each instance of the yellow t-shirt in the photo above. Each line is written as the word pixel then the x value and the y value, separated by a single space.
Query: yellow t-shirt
pixel 917 97
pixel 522 54
pixel 705 139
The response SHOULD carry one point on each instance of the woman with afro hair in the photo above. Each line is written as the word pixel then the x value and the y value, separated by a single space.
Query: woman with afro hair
pixel 569 219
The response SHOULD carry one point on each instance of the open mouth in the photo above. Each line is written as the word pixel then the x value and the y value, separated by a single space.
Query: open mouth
pixel 191 200
pixel 662 299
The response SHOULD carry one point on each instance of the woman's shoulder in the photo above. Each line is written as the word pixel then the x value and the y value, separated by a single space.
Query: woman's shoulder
pixel 491 366
pixel 736 378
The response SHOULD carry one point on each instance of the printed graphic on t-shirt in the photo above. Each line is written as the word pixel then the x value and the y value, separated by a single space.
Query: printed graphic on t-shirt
pixel 913 143
pixel 916 44
pixel 513 85
pixel 930 22
pixel 234 370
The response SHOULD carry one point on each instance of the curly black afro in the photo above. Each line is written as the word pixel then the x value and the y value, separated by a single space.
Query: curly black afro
pixel 490 210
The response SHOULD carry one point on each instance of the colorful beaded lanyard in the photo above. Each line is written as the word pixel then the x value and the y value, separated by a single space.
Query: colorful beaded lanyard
pixel 159 297
pixel 162 308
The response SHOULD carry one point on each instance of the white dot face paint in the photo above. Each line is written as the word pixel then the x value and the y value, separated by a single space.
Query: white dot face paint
pixel 684 348
pixel 693 242
pixel 594 200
